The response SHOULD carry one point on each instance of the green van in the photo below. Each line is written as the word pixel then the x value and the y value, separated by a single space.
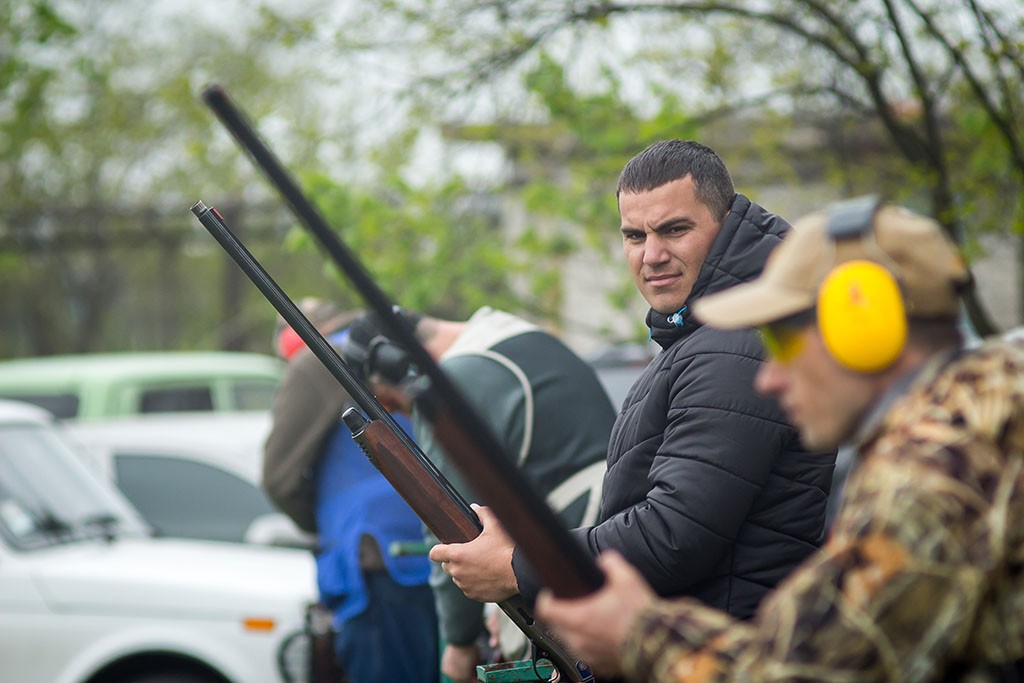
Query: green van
pixel 93 386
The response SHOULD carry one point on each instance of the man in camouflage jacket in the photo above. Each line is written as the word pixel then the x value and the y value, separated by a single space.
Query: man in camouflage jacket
pixel 922 577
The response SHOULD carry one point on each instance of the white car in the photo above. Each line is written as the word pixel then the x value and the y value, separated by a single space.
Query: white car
pixel 87 595
pixel 191 475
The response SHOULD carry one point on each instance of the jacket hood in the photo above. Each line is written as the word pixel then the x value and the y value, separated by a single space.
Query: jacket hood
pixel 748 234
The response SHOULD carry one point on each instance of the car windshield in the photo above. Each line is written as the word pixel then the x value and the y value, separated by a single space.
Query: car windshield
pixel 47 496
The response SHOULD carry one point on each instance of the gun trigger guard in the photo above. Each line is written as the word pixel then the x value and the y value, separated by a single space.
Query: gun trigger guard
pixel 557 676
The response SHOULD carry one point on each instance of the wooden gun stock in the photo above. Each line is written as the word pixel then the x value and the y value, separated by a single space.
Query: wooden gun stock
pixel 560 571
pixel 452 521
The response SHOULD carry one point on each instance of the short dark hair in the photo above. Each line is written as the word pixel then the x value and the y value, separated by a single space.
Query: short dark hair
pixel 670 160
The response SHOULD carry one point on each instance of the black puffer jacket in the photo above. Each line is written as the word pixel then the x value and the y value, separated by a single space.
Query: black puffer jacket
pixel 708 491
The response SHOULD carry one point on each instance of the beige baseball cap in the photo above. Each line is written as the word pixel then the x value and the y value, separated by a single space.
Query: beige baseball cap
pixel 926 264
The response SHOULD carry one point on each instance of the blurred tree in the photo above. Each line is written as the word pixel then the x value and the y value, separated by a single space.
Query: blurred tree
pixel 103 147
pixel 435 249
pixel 103 144
pixel 438 239
pixel 939 82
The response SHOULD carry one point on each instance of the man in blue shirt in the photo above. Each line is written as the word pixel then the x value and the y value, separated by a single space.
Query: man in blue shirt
pixel 315 473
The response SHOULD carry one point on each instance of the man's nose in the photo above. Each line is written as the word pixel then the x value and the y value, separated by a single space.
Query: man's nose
pixel 770 378
pixel 654 249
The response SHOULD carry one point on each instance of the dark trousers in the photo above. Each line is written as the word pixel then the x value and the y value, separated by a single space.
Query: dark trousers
pixel 395 638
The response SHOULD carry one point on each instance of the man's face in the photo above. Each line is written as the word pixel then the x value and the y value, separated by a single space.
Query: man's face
pixel 824 400
pixel 666 235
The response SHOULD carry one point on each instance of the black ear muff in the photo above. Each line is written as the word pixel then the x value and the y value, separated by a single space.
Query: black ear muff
pixel 861 315
pixel 388 360
pixel 368 352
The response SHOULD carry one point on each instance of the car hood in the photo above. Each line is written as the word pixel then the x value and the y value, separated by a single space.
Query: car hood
pixel 192 579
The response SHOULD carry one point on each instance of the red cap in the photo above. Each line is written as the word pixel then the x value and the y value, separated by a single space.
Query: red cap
pixel 289 343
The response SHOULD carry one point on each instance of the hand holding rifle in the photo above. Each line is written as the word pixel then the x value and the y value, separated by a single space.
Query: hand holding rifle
pixel 473 565
pixel 597 625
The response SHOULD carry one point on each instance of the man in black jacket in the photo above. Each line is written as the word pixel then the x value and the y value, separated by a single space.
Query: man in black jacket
pixel 708 491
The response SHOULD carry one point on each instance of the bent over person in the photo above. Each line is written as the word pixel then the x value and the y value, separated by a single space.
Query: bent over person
pixel 921 579
pixel 545 405
pixel 708 490
pixel 316 473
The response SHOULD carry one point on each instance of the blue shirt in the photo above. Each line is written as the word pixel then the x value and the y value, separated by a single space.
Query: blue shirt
pixel 353 499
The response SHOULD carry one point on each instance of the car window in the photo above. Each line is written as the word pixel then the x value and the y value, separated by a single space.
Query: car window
pixel 253 395
pixel 189 499
pixel 60 405
pixel 175 400
pixel 47 496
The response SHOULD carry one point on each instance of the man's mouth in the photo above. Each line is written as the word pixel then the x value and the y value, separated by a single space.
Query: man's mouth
pixel 662 279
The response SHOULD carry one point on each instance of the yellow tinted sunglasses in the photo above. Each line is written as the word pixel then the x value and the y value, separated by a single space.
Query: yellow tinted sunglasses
pixel 783 339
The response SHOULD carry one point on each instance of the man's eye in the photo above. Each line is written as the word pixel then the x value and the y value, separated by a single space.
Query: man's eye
pixel 632 236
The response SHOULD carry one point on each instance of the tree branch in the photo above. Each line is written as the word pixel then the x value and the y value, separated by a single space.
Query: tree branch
pixel 934 147
pixel 1007 47
pixel 1005 126
pixel 905 137
pixel 987 29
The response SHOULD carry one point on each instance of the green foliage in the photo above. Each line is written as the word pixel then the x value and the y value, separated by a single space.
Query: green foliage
pixel 104 145
pixel 426 248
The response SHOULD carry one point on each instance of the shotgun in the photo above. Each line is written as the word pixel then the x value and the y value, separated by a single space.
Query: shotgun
pixel 559 560
pixel 393 452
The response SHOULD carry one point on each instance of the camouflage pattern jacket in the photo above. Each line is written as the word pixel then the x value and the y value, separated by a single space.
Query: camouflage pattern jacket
pixel 923 577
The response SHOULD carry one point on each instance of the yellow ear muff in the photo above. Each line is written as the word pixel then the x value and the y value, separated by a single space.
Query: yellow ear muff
pixel 861 316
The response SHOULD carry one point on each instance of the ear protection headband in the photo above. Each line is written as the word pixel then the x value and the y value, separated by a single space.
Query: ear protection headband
pixel 861 314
